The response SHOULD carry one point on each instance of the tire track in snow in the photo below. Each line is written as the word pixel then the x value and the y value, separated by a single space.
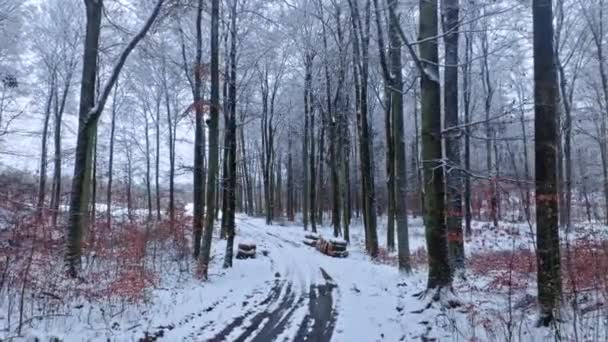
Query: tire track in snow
pixel 319 322
pixel 291 292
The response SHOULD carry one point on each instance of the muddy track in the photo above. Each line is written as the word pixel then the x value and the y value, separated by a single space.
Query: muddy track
pixel 269 316
pixel 268 324
pixel 319 323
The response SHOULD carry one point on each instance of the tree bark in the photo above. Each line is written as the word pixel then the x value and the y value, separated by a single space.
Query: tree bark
pixel 213 142
pixel 111 160
pixel 489 139
pixel 360 55
pixel 466 84
pixel 79 200
pixel 232 146
pixel 88 116
pixel 43 147
pixel 400 164
pixel 439 268
pixel 452 139
pixel 546 143
pixel 199 139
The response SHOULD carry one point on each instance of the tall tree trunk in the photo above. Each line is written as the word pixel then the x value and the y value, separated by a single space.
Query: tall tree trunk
pixel 148 167
pixel 93 204
pixel 400 168
pixel 290 181
pixel 305 153
pixel 79 199
pixel 111 160
pixel 88 116
pixel 321 198
pixel 227 137
pixel 452 139
pixel 246 176
pixel 567 125
pixel 59 109
pixel 419 166
pixel 526 165
pixel 129 181
pixel 390 166
pixel 489 90
pixel 171 129
pixel 199 140
pixel 311 162
pixel 232 146
pixel 436 239
pixel 157 156
pixel 466 84
pixel 361 49
pixel 546 143
pixel 583 174
pixel 43 147
pixel 213 141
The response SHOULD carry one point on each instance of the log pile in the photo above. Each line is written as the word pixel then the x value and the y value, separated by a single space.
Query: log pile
pixel 332 247
pixel 246 250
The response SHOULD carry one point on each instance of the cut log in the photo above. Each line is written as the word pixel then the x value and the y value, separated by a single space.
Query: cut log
pixel 245 251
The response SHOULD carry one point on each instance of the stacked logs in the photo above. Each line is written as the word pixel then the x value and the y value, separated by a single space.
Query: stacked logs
pixel 332 247
pixel 246 250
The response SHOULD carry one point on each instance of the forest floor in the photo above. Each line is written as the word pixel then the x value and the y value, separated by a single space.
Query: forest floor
pixel 292 292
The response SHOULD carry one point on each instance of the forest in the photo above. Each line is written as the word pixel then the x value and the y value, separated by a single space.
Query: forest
pixel 303 170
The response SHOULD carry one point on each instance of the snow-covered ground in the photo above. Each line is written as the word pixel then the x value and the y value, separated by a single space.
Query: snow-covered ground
pixel 291 292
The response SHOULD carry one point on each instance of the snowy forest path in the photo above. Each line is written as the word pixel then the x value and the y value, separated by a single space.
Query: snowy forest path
pixel 296 301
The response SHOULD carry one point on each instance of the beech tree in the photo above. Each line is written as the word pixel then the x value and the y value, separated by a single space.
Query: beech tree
pixel 89 113
pixel 213 124
pixel 440 276
pixel 545 149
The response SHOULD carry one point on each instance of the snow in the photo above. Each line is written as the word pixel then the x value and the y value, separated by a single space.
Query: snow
pixel 291 290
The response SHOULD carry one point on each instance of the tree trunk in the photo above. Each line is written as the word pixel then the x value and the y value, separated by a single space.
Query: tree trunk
pixel 390 166
pixel 452 138
pixel 79 199
pixel 400 168
pixel 111 161
pixel 290 181
pixel 43 148
pixel 466 84
pixel 546 143
pixel 567 125
pixel 312 193
pixel 148 167
pixel 88 116
pixel 232 146
pixel 59 109
pixel 583 174
pixel 172 129
pixel 361 47
pixel 436 239
pixel 320 195
pixel 199 141
pixel 305 153
pixel 489 90
pixel 213 141
pixel 157 160
pixel 247 178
